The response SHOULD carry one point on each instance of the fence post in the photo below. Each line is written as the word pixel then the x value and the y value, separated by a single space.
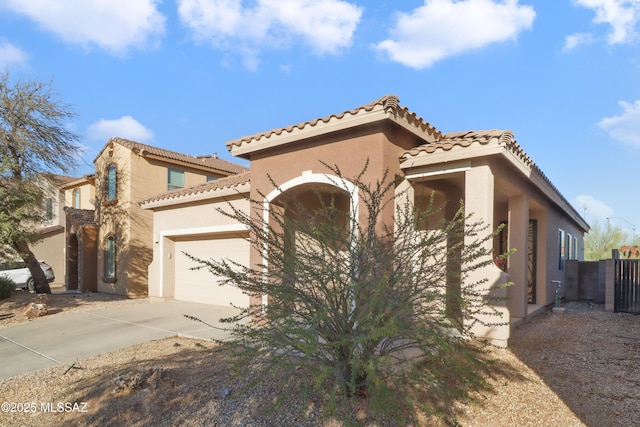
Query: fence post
pixel 610 295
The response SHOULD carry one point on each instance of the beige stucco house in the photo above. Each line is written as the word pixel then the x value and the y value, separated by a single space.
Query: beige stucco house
pixel 498 182
pixel 126 173
pixel 58 193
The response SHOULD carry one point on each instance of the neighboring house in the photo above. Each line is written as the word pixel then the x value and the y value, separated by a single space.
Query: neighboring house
pixel 126 173
pixel 51 247
pixel 498 182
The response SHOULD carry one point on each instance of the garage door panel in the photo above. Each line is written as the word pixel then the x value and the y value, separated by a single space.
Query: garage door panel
pixel 202 285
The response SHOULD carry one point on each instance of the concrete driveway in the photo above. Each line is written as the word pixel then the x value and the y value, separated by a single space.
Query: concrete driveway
pixel 61 340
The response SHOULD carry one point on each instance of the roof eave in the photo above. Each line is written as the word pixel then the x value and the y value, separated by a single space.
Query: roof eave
pixel 197 197
pixel 533 174
pixel 192 165
pixel 244 147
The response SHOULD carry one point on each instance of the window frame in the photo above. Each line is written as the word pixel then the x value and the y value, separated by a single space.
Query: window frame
pixel 175 172
pixel 48 209
pixel 109 269
pixel 111 183
pixel 561 248
pixel 76 197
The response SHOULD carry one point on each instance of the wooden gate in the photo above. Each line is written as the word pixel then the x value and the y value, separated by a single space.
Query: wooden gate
pixel 627 286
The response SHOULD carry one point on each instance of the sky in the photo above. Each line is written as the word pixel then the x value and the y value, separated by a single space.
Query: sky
pixel 190 75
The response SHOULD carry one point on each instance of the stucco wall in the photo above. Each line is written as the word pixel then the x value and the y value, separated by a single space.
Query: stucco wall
pixel 51 250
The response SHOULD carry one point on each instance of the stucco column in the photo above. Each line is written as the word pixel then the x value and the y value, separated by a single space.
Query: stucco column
pixel 518 261
pixel 479 199
pixel 479 195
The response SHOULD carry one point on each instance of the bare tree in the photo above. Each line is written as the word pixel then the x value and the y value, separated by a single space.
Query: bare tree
pixel 34 144
pixel 356 306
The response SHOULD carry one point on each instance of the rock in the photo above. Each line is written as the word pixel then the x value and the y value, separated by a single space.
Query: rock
pixel 42 299
pixel 153 376
pixel 33 310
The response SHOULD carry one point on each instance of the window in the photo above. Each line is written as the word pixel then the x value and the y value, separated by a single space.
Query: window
pixel 569 246
pixel 76 198
pixel 111 183
pixel 49 209
pixel 211 178
pixel 175 179
pixel 575 248
pixel 110 258
pixel 561 249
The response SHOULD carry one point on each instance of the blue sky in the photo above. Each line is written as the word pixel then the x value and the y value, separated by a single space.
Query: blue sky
pixel 189 75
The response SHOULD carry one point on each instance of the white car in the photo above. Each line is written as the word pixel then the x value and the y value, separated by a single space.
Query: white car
pixel 20 274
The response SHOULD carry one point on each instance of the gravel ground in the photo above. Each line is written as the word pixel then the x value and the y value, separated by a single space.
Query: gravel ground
pixel 576 369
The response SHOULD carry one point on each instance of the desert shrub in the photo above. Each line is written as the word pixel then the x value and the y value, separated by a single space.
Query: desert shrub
pixel 366 309
pixel 7 287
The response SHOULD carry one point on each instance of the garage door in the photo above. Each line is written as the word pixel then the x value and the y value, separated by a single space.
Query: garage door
pixel 201 285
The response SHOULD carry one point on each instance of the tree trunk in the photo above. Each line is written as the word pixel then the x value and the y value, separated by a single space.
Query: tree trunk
pixel 39 280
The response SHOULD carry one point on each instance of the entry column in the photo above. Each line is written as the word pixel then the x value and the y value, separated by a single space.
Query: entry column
pixel 518 261
pixel 479 195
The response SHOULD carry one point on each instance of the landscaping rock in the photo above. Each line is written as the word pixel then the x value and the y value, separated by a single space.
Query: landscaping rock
pixel 33 310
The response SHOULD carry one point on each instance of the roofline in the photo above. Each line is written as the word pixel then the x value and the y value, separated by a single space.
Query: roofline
pixel 385 108
pixel 197 197
pixel 191 163
pixel 83 180
pixel 508 148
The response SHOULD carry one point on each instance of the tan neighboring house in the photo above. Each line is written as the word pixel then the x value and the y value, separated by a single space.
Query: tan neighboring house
pixel 51 248
pixel 126 173
pixel 498 182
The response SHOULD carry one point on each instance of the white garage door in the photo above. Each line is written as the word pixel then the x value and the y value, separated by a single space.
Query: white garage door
pixel 201 285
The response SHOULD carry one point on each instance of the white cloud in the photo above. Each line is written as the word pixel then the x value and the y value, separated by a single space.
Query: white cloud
pixel 326 26
pixel 125 127
pixel 592 209
pixel 626 126
pixel 114 25
pixel 622 15
pixel 578 39
pixel 11 55
pixel 442 28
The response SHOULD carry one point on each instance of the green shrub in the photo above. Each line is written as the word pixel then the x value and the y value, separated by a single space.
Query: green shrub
pixel 7 287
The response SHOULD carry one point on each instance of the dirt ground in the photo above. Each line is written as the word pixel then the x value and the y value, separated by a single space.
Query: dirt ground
pixel 580 368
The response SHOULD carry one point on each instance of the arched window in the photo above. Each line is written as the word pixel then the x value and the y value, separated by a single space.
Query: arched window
pixel 111 183
pixel 110 257
pixel 76 198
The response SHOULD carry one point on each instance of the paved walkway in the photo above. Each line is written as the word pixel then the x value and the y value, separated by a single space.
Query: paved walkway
pixel 61 340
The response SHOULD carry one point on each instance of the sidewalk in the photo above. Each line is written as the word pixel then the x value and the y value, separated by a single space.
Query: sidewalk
pixel 64 339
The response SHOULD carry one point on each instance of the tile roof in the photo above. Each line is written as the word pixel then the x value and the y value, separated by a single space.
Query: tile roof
pixel 231 181
pixel 387 102
pixel 465 139
pixel 501 138
pixel 211 162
